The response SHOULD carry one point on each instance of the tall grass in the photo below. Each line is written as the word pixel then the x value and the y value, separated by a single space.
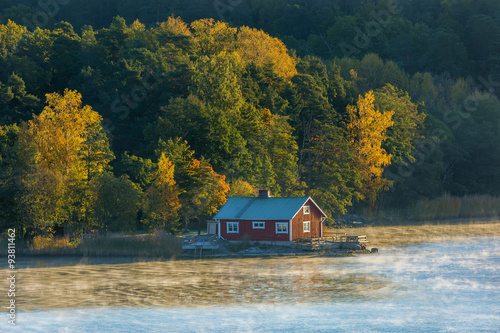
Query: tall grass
pixel 416 234
pixel 450 207
pixel 159 244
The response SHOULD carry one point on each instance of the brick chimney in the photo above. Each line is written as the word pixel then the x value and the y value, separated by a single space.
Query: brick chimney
pixel 264 194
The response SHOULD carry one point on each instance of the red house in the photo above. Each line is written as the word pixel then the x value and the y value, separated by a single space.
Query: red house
pixel 264 218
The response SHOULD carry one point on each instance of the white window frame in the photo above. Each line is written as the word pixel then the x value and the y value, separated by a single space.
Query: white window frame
pixel 281 224
pixel 234 230
pixel 306 210
pixel 308 224
pixel 258 225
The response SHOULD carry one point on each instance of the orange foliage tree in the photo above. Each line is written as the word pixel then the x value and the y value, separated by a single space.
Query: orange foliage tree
pixel 202 190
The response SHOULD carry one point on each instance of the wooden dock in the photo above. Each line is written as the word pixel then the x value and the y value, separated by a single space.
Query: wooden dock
pixel 336 241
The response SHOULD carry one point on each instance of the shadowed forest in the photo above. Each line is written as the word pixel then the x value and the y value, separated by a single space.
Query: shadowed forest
pixel 148 114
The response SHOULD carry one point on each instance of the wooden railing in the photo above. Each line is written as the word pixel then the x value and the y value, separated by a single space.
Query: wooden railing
pixel 329 241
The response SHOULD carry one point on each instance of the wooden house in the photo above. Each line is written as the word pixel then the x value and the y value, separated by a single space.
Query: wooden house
pixel 265 218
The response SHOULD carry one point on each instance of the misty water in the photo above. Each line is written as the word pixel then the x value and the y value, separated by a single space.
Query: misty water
pixel 437 287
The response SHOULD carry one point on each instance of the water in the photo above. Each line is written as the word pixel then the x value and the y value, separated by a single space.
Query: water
pixel 451 287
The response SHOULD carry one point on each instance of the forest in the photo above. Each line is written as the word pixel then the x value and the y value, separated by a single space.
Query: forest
pixel 148 114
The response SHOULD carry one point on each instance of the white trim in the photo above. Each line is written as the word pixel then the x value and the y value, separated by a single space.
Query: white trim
pixel 237 228
pixel 281 223
pixel 218 228
pixel 304 224
pixel 255 222
pixel 290 230
pixel 309 198
pixel 322 212
pixel 308 210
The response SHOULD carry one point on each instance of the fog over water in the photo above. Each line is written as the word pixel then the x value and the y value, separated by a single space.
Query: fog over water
pixel 438 287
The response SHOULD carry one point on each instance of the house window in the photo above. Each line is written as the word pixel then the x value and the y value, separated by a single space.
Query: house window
pixel 281 228
pixel 258 225
pixel 232 227
pixel 306 226
pixel 306 209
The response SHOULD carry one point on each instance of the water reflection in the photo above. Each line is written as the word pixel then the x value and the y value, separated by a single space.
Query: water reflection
pixel 200 282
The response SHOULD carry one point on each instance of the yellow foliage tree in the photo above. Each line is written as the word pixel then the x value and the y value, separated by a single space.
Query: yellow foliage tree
pixel 162 198
pixel 176 25
pixel 258 47
pixel 213 36
pixel 10 34
pixel 62 131
pixel 367 131
pixel 241 188
pixel 62 148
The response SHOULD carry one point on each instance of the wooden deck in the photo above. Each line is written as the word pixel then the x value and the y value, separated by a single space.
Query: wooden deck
pixel 335 241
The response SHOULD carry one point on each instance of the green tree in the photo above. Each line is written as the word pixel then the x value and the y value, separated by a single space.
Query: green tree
pixel 407 123
pixel 336 176
pixel 116 202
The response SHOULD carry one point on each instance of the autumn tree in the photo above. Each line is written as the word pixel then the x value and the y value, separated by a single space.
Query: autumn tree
pixel 258 47
pixel 203 191
pixel 10 35
pixel 162 202
pixel 367 130
pixel 63 148
pixel 241 188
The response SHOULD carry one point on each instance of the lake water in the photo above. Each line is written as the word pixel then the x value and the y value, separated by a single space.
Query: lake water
pixel 450 287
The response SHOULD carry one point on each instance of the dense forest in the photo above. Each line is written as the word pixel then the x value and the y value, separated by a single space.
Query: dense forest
pixel 119 115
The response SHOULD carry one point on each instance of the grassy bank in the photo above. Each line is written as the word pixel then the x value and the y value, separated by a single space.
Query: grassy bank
pixel 417 234
pixel 158 245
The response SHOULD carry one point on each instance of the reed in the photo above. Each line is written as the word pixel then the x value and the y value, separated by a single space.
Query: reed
pixel 417 234
pixel 445 207
pixel 158 244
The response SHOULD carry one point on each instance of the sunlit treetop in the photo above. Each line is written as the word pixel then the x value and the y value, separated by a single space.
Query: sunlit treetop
pixel 175 25
pixel 213 36
pixel 258 47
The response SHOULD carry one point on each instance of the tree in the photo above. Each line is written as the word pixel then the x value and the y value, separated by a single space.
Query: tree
pixel 9 176
pixel 407 123
pixel 139 170
pixel 10 35
pixel 162 202
pixel 116 202
pixel 213 36
pixel 367 130
pixel 215 81
pixel 335 177
pixel 62 148
pixel 203 191
pixel 258 47
pixel 241 188
pixel 15 103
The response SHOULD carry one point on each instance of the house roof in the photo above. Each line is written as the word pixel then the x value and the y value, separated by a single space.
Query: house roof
pixel 258 208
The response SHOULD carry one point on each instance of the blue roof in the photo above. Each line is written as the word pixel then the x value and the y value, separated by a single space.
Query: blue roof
pixel 258 208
